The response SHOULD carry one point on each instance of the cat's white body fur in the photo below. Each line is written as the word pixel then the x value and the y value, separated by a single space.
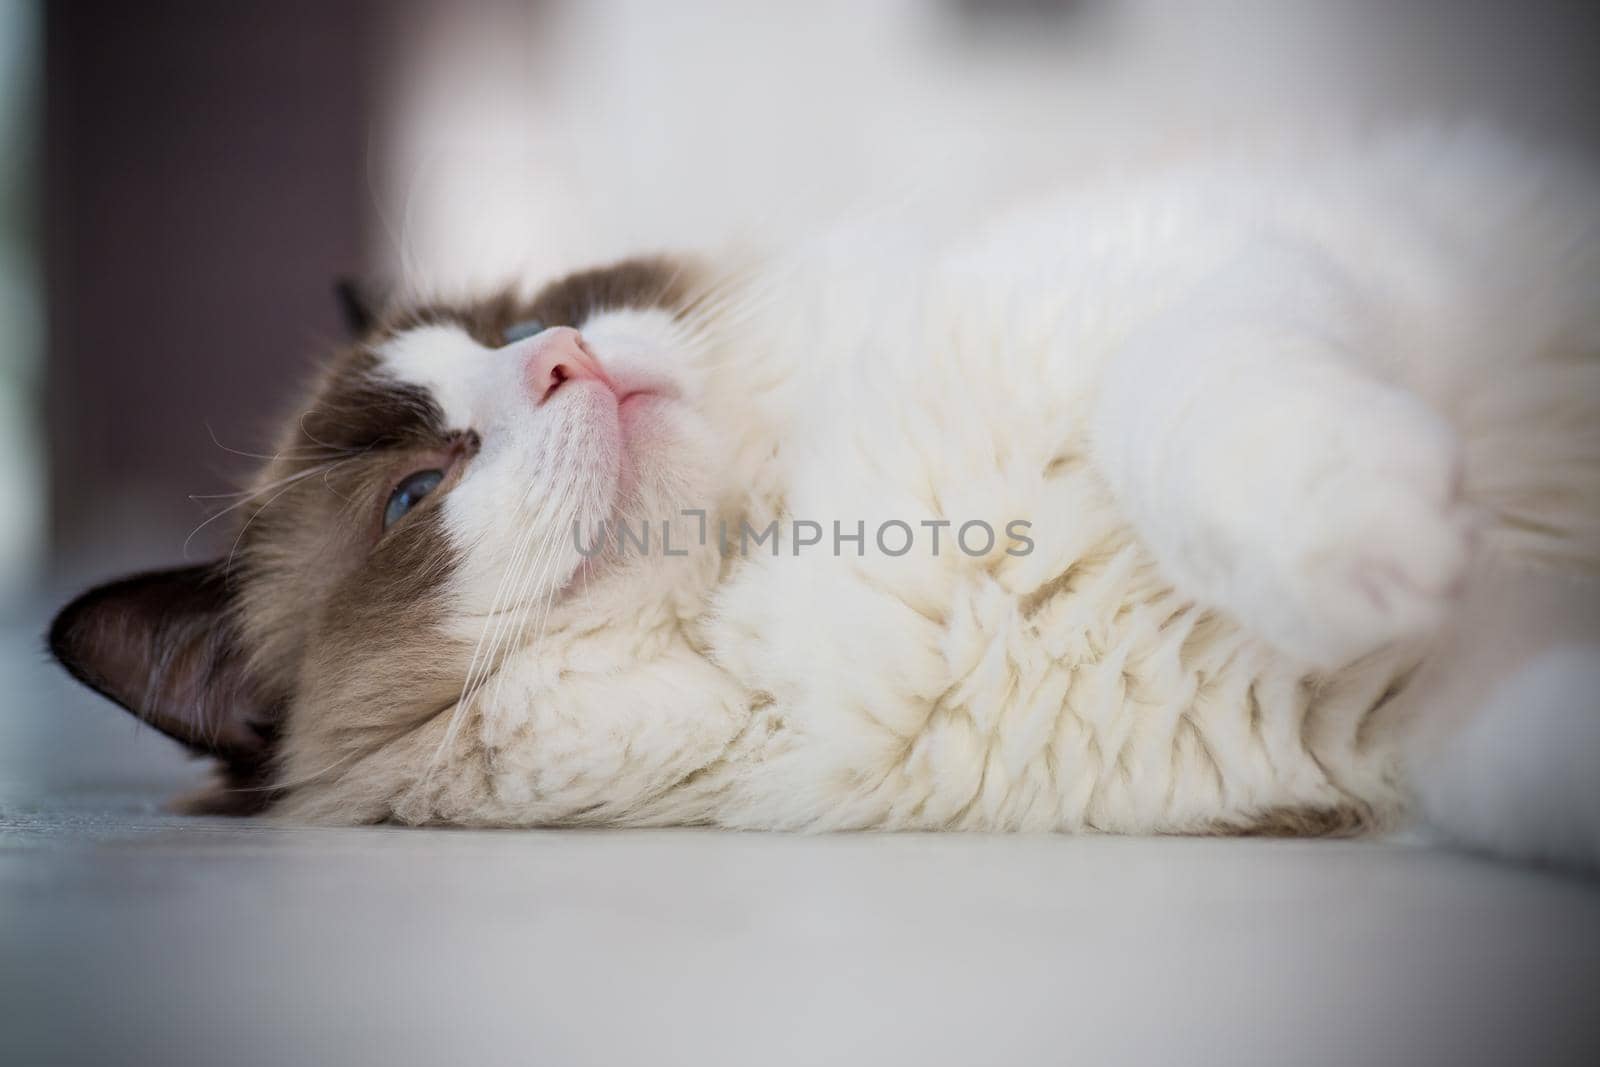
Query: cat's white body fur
pixel 1263 416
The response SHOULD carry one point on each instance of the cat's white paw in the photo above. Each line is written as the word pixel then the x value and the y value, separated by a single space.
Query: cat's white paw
pixel 1378 561
pixel 1347 506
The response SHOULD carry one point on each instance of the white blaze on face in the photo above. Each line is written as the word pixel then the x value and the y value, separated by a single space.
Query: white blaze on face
pixel 547 462
pixel 457 372
pixel 503 496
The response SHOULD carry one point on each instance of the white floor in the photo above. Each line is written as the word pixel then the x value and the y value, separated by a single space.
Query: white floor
pixel 129 936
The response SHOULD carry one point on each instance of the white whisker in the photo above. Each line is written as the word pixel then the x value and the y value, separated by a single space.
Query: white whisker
pixel 283 485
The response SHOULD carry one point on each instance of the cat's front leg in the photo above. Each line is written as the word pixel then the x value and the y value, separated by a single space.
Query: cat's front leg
pixel 1273 479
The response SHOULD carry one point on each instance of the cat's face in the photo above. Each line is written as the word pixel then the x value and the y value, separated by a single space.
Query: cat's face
pixel 431 510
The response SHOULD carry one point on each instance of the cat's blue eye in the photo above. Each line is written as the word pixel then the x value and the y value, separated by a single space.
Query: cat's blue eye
pixel 408 493
pixel 525 328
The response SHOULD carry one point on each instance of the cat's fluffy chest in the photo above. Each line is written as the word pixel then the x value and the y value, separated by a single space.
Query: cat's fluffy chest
pixel 1067 686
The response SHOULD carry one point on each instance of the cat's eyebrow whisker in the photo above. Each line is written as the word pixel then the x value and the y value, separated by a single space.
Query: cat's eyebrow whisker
pixel 201 497
pixel 282 485
pixel 319 442
pixel 212 433
pixel 329 451
pixel 349 500
pixel 268 486
pixel 288 484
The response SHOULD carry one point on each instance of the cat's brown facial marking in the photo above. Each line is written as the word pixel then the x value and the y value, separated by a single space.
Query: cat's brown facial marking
pixel 642 283
pixel 328 627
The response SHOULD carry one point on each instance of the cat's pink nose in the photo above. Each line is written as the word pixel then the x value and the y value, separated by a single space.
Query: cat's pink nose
pixel 557 356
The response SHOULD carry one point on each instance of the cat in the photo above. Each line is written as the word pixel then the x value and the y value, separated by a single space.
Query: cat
pixel 1217 454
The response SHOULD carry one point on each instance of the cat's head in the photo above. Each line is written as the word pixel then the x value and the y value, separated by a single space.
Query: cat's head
pixel 430 510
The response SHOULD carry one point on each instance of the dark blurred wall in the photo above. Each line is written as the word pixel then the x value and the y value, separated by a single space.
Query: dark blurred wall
pixel 205 180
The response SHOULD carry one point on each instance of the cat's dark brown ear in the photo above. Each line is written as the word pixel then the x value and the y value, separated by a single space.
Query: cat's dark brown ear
pixel 164 645
pixel 361 305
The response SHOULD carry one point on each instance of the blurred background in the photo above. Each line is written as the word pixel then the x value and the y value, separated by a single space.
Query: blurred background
pixel 182 180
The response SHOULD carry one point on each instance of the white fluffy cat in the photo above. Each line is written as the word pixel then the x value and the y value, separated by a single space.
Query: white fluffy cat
pixel 1209 457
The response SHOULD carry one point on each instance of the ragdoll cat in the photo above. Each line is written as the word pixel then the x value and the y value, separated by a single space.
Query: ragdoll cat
pixel 1146 509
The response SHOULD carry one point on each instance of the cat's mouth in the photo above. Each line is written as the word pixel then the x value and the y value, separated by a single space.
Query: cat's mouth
pixel 643 395
pixel 638 394
pixel 639 399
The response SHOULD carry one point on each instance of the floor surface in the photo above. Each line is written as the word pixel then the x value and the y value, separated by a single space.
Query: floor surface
pixel 131 936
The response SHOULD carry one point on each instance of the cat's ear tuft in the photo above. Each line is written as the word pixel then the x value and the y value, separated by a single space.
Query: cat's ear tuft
pixel 361 305
pixel 165 646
